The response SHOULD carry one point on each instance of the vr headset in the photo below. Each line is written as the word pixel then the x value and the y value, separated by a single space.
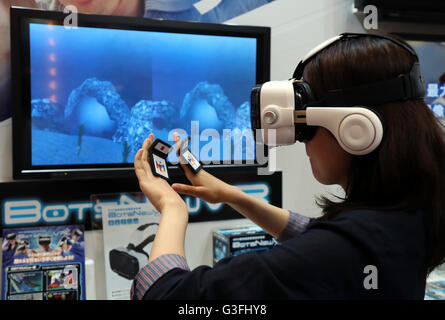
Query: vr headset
pixel 44 240
pixel 66 241
pixel 127 262
pixel 290 110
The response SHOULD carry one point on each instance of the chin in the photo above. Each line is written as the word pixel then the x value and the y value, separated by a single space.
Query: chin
pixel 317 176
pixel 322 179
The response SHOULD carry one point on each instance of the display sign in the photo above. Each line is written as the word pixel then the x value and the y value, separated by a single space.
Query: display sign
pixel 43 263
pixel 234 241
pixel 128 232
pixel 67 202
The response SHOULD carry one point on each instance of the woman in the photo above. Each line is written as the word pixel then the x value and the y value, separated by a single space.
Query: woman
pixel 379 242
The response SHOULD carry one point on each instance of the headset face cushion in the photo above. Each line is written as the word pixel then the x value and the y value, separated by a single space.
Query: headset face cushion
pixel 124 264
pixel 304 133
pixel 303 94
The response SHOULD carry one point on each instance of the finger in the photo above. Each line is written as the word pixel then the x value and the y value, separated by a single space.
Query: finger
pixel 177 141
pixel 188 173
pixel 146 145
pixel 137 156
pixel 138 166
pixel 137 160
pixel 140 174
pixel 148 142
pixel 142 168
pixel 188 190
pixel 176 137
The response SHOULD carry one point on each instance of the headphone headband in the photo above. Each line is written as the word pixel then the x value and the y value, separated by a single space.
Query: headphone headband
pixel 298 73
pixel 381 36
pixel 401 88
pixel 140 246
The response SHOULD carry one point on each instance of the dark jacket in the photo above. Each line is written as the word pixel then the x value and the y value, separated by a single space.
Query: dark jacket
pixel 327 261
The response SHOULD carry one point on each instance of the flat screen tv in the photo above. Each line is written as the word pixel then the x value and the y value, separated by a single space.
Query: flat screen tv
pixel 431 52
pixel 86 97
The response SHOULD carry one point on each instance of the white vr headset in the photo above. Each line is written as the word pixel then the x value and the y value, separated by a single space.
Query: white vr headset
pixel 288 111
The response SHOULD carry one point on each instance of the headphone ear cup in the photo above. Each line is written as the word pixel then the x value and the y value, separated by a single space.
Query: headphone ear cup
pixel 358 130
pixel 360 133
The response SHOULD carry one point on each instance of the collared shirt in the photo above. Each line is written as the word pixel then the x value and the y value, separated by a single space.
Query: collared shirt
pixel 154 270
pixel 358 254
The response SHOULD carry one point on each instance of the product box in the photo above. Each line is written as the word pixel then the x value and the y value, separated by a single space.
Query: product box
pixel 234 241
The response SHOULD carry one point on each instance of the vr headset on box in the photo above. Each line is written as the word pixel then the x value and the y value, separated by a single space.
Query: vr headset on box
pixel 293 111
pixel 127 262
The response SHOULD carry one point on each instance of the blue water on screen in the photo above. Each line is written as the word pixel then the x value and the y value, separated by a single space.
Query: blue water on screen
pixel 97 93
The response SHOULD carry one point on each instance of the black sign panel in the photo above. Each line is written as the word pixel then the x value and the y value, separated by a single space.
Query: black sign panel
pixel 56 202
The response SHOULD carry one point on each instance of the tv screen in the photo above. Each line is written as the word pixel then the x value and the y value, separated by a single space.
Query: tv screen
pixel 89 96
pixel 431 52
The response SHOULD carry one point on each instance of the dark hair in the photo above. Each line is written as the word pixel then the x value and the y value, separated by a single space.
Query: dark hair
pixel 407 171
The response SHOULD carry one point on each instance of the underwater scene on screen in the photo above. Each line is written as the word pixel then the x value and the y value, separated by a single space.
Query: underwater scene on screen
pixel 96 94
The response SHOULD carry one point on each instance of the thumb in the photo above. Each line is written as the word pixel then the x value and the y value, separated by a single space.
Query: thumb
pixel 192 177
pixel 185 168
pixel 187 189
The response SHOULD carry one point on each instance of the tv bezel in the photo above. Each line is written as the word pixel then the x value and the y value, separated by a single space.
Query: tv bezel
pixel 21 84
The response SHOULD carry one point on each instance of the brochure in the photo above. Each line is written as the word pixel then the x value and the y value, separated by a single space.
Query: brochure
pixel 128 232
pixel 435 290
pixel 43 263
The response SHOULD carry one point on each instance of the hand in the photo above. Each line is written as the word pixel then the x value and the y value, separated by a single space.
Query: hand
pixel 204 185
pixel 157 190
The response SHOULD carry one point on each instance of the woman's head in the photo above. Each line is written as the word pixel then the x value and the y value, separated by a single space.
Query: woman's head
pixel 406 172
